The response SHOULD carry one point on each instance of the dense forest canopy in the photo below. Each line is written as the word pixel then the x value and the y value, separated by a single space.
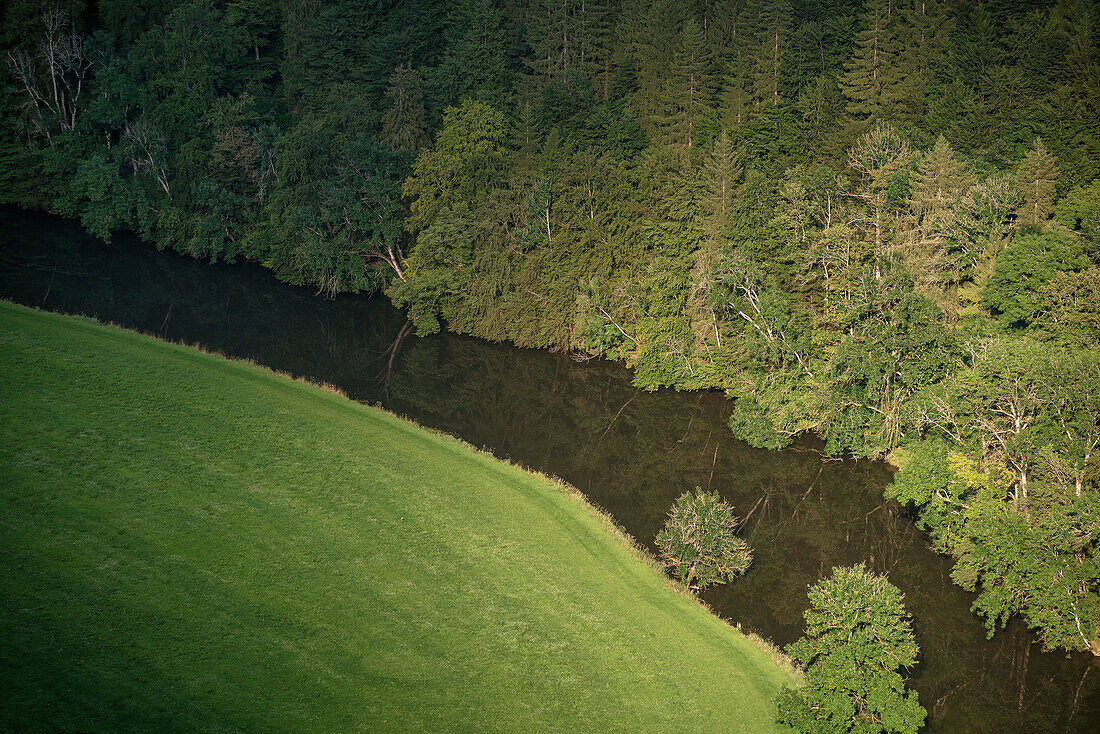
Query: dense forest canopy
pixel 878 221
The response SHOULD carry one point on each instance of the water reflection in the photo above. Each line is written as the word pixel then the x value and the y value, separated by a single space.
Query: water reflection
pixel 631 451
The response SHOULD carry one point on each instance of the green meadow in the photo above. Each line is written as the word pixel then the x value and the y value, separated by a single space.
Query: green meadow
pixel 190 543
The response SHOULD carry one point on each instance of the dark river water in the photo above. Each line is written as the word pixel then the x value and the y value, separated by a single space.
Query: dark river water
pixel 631 451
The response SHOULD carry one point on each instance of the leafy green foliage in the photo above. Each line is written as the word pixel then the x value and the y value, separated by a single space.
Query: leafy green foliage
pixel 1009 486
pixel 1072 313
pixel 435 272
pixel 698 541
pixel 1079 211
pixel 468 149
pixel 100 196
pixel 357 222
pixel 1025 268
pixel 858 636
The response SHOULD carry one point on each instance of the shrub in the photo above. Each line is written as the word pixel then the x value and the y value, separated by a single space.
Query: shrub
pixel 698 542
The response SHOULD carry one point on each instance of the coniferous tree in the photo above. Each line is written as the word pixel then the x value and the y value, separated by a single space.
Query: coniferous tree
pixel 595 43
pixel 736 87
pixel 476 62
pixel 922 36
pixel 403 123
pixel 527 135
pixel 756 41
pixel 691 85
pixel 468 151
pixel 653 30
pixel 570 37
pixel 976 60
pixel 870 76
pixel 723 171
pixel 878 158
pixel 1036 179
pixel 769 23
pixel 552 37
pixel 936 188
pixel 587 169
pixel 296 21
pixel 938 180
pixel 820 104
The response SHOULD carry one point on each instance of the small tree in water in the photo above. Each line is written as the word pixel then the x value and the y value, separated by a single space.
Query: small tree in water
pixel 857 637
pixel 698 541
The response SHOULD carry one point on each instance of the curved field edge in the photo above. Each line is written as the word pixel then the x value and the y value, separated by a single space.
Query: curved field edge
pixel 193 543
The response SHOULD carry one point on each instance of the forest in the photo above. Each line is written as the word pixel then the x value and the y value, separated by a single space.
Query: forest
pixel 877 222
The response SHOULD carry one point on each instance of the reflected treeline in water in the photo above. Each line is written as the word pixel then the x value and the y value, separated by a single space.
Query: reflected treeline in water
pixel 632 452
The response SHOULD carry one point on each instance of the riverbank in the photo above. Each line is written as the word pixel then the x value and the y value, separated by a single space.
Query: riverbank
pixel 192 543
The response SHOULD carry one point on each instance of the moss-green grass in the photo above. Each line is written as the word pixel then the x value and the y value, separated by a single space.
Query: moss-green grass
pixel 189 543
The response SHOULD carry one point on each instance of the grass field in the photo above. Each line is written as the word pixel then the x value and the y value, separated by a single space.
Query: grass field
pixel 188 543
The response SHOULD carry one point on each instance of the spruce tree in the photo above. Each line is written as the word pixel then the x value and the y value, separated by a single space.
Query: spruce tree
pixel 298 18
pixel 691 86
pixel 653 50
pixel 756 39
pixel 923 27
pixel 770 24
pixel 938 181
pixel 723 171
pixel 553 40
pixel 871 75
pixel 736 96
pixel 878 158
pixel 476 64
pixel 403 122
pixel 1036 179
pixel 570 36
pixel 937 187
pixel 595 40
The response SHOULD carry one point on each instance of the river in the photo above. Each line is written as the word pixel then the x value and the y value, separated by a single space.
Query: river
pixel 631 451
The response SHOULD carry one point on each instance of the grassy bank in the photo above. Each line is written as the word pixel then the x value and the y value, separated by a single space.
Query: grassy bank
pixel 194 544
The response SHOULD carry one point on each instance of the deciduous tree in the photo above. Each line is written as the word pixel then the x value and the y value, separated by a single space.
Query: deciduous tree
pixel 699 542
pixel 858 636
